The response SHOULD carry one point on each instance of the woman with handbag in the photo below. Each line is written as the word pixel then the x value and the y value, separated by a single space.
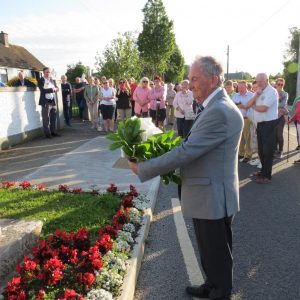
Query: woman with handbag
pixel 183 105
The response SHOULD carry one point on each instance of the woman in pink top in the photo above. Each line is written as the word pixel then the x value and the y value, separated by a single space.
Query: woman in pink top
pixel 140 96
pixel 296 117
pixel 157 99
pixel 183 105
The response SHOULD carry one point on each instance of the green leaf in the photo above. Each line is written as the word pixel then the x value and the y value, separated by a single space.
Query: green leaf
pixel 115 146
pixel 113 137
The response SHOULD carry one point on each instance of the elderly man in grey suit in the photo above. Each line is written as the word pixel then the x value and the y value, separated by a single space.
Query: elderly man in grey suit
pixel 208 159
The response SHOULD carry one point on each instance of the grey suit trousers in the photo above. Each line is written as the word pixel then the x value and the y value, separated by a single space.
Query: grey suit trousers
pixel 214 238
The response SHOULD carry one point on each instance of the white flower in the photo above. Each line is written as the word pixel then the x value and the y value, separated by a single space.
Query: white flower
pixel 122 246
pixel 129 227
pixel 109 280
pixel 125 236
pixel 135 216
pixel 99 294
pixel 112 261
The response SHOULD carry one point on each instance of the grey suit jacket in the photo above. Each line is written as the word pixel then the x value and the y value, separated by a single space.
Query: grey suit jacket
pixel 208 160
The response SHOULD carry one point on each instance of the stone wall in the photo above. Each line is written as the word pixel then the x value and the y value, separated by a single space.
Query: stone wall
pixel 20 115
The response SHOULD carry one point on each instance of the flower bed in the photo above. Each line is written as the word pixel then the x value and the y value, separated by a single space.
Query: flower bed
pixel 70 266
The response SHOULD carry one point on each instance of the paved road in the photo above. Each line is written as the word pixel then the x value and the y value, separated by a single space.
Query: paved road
pixel 266 240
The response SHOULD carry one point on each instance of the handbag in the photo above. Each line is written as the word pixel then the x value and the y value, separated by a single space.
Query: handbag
pixel 189 115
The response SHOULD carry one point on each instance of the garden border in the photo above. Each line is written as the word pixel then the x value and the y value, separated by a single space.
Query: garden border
pixel 134 263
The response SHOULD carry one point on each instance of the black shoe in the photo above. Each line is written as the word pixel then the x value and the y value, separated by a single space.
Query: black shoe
pixel 297 161
pixel 240 156
pixel 55 134
pixel 246 159
pixel 201 291
pixel 298 147
pixel 69 125
pixel 48 136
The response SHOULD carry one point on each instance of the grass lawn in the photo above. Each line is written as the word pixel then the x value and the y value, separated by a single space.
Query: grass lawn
pixel 58 210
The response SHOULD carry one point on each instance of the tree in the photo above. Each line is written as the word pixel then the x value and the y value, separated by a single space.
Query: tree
pixel 291 63
pixel 175 68
pixel 157 41
pixel 120 58
pixel 77 70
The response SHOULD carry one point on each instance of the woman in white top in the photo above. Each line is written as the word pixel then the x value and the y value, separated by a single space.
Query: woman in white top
pixel 183 105
pixel 107 106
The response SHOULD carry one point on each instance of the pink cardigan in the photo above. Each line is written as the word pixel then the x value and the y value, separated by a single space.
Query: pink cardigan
pixel 140 96
pixel 296 116
pixel 160 94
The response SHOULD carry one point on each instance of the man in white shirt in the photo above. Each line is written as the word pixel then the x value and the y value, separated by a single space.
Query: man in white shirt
pixel 241 99
pixel 265 106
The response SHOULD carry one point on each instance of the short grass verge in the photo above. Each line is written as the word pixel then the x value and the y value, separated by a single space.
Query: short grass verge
pixel 58 210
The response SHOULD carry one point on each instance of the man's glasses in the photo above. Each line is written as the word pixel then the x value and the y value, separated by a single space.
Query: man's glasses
pixel 279 84
pixel 121 82
pixel 145 81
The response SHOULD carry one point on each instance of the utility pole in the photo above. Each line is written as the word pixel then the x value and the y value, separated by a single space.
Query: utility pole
pixel 228 63
pixel 298 75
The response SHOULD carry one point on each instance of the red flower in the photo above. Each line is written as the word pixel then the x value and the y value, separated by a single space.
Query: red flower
pixel 14 284
pixel 63 188
pixel 120 218
pixel 29 265
pixel 133 191
pixel 25 185
pixel 74 257
pixel 71 295
pixel 54 263
pixel 112 188
pixel 105 243
pixel 86 278
pixel 127 201
pixel 6 184
pixel 41 187
pixel 109 230
pixel 41 294
pixel 77 190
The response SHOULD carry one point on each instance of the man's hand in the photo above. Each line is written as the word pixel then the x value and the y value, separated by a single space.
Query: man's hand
pixel 133 167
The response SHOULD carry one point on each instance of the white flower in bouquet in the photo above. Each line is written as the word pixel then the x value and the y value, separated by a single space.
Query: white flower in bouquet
pixel 99 294
pixel 129 227
pixel 149 128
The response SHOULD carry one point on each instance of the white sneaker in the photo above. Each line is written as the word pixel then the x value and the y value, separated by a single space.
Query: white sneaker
pixel 254 162
pixel 99 129
pixel 259 166
pixel 242 159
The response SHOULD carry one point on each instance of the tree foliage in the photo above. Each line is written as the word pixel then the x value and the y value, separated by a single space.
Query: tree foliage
pixel 291 63
pixel 175 69
pixel 77 70
pixel 156 42
pixel 120 58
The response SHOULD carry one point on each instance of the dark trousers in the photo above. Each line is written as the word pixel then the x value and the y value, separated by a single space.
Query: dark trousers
pixel 49 118
pixel 295 122
pixel 67 111
pixel 214 238
pixel 279 134
pixel 266 142
pixel 180 126
pixel 188 124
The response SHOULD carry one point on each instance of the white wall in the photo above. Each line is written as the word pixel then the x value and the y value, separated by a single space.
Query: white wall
pixel 20 113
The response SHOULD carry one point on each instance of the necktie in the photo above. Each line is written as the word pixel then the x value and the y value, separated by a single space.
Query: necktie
pixel 200 108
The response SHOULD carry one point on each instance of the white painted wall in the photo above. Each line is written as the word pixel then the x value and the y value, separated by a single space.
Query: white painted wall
pixel 20 112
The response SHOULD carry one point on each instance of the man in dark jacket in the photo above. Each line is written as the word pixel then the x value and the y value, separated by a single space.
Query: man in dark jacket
pixel 22 81
pixel 48 101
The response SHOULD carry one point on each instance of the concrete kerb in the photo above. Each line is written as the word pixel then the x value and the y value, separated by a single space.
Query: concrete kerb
pixel 134 263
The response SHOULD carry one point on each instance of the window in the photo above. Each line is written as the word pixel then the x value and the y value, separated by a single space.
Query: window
pixel 3 75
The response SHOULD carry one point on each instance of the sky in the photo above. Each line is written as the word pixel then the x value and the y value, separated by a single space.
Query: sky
pixel 62 32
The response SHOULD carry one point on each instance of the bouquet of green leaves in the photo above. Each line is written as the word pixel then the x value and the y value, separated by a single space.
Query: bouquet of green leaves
pixel 138 141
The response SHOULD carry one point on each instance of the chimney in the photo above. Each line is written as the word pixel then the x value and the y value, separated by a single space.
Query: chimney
pixel 4 39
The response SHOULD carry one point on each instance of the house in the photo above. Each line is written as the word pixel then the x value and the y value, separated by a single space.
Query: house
pixel 15 58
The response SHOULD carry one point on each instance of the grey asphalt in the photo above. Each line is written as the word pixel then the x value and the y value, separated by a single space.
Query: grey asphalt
pixel 266 239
